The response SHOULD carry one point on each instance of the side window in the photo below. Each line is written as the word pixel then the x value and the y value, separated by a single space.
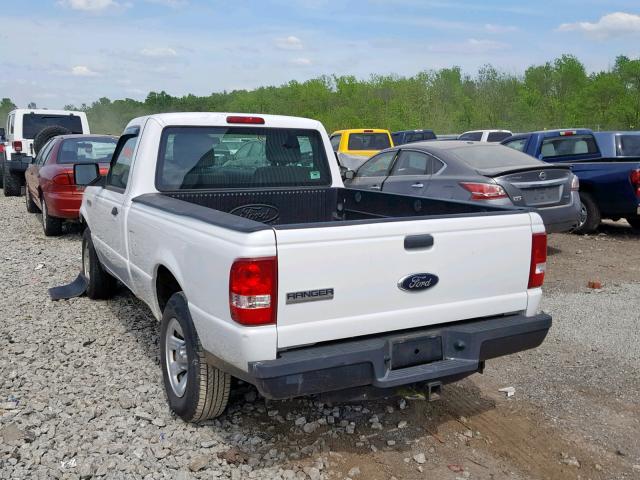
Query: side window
pixel 335 142
pixel 517 144
pixel 44 153
pixel 411 163
pixel 121 164
pixel 397 138
pixel 11 121
pixel 377 166
pixel 434 166
pixel 497 136
pixel 472 136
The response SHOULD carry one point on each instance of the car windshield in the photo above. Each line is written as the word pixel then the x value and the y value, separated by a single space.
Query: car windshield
pixel 492 156
pixel 629 146
pixel 368 141
pixel 33 123
pixel 87 150
pixel 240 157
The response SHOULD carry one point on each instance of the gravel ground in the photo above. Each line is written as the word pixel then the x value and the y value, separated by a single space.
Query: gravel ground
pixel 81 395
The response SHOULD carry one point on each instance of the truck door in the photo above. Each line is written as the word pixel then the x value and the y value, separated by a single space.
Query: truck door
pixel 108 226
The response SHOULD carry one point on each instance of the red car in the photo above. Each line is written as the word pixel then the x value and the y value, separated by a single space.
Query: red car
pixel 49 179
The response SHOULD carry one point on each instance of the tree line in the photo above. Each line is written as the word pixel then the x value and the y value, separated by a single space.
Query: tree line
pixel 557 94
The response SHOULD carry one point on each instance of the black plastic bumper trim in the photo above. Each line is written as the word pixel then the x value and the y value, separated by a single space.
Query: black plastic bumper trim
pixel 367 361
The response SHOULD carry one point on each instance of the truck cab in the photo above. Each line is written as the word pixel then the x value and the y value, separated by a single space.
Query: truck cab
pixel 355 146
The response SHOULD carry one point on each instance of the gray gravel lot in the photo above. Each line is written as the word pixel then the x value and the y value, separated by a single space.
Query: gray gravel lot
pixel 81 396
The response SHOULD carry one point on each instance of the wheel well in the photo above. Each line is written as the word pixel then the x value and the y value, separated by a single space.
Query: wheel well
pixel 166 285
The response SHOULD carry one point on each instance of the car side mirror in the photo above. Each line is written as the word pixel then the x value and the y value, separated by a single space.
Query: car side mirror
pixel 348 174
pixel 86 174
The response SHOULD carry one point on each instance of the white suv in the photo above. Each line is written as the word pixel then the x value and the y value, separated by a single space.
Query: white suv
pixel 23 125
pixel 485 135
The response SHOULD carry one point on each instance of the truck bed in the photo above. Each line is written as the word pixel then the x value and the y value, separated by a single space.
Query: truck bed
pixel 252 210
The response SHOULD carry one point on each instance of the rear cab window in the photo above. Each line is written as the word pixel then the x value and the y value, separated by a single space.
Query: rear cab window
pixel 628 146
pixel 33 123
pixel 368 141
pixel 517 144
pixel 471 136
pixel 195 158
pixel 497 136
pixel 568 145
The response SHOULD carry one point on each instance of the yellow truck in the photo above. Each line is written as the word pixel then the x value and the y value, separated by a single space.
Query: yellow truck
pixel 355 146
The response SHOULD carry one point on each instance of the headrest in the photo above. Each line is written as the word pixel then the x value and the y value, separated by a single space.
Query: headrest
pixel 282 148
pixel 190 148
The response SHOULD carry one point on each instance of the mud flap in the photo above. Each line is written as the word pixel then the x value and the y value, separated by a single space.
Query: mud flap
pixel 70 290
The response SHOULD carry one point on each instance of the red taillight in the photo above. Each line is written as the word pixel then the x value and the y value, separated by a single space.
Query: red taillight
pixel 368 131
pixel 239 119
pixel 538 260
pixel 1 147
pixel 575 184
pixel 634 176
pixel 17 146
pixel 63 178
pixel 568 133
pixel 253 287
pixel 484 191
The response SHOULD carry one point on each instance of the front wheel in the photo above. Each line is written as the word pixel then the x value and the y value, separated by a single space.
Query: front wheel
pixel 590 217
pixel 195 390
pixel 100 284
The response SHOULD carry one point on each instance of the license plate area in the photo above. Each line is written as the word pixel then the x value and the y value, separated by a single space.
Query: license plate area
pixel 410 351
pixel 539 196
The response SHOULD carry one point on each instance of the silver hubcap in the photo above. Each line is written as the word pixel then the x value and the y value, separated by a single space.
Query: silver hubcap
pixel 85 262
pixel 583 215
pixel 176 358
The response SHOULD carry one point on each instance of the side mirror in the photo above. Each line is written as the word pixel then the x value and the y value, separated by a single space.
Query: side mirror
pixel 85 173
pixel 347 174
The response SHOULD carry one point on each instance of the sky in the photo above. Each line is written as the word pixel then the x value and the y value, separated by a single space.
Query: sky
pixel 59 52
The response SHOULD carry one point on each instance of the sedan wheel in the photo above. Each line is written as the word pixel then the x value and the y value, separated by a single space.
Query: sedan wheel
pixel 52 226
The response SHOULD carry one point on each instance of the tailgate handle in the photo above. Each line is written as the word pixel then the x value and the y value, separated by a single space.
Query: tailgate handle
pixel 415 242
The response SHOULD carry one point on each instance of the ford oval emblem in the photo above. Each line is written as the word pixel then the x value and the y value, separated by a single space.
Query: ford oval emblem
pixel 258 212
pixel 417 282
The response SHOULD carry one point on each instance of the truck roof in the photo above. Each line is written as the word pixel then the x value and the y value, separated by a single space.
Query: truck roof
pixel 44 111
pixel 361 130
pixel 215 119
pixel 558 131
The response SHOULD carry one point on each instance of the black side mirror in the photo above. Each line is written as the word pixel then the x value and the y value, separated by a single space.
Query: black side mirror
pixel 86 174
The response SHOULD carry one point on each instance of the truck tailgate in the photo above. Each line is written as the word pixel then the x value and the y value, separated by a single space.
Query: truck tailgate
pixel 482 264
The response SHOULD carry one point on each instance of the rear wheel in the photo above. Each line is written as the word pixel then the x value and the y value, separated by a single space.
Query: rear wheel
pixel 590 217
pixel 12 183
pixel 32 207
pixel 195 390
pixel 634 222
pixel 100 284
pixel 52 226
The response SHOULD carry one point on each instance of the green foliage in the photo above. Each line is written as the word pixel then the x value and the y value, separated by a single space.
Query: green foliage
pixel 556 94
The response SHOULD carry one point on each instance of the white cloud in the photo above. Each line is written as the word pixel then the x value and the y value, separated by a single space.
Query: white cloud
pixel 171 3
pixel 289 43
pixel 492 28
pixel 470 46
pixel 89 5
pixel 300 62
pixel 615 24
pixel 83 71
pixel 159 52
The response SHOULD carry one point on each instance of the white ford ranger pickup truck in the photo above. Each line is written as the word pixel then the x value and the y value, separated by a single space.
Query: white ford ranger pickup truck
pixel 237 232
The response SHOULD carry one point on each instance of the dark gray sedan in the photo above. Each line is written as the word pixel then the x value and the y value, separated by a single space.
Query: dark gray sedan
pixel 475 171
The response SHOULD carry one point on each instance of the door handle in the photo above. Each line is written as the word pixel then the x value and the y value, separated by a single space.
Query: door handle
pixel 416 242
pixel 417 185
pixel 114 211
pixel 375 187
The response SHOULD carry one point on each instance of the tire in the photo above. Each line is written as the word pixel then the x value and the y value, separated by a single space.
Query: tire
pixel 100 284
pixel 634 222
pixel 589 215
pixel 52 226
pixel 12 183
pixel 46 134
pixel 32 207
pixel 199 391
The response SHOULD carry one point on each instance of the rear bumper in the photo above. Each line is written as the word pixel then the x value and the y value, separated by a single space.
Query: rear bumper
pixel 458 350
pixel 64 205
pixel 562 218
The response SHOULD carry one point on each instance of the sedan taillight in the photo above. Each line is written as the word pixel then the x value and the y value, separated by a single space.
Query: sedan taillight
pixel 575 184
pixel 484 191
pixel 634 177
